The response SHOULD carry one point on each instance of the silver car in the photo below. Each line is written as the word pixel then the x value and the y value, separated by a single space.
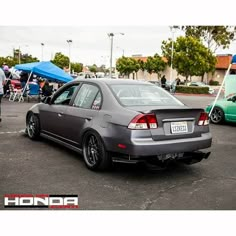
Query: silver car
pixel 201 84
pixel 121 121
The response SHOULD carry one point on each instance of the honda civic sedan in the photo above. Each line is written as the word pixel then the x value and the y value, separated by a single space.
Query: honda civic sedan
pixel 121 120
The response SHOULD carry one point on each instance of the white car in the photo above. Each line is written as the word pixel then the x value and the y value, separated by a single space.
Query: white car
pixel 86 75
pixel 201 84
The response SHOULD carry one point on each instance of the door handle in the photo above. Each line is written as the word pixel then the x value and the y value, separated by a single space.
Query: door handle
pixel 60 114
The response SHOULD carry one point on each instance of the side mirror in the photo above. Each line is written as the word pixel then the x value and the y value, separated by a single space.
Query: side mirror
pixel 47 100
pixel 234 99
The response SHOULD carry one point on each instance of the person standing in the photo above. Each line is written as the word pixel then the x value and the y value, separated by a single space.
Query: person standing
pixel 163 81
pixel 2 80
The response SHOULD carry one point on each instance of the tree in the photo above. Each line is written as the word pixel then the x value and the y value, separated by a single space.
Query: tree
pixel 213 36
pixel 24 57
pixel 60 60
pixel 27 58
pixel 155 64
pixel 12 61
pixel 126 65
pixel 102 68
pixel 207 64
pixel 190 56
pixel 93 68
pixel 141 65
pixel 77 67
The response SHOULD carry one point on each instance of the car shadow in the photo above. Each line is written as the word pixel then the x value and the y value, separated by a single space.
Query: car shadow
pixel 129 170
pixel 229 124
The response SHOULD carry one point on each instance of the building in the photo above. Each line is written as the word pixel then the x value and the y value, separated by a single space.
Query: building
pixel 222 65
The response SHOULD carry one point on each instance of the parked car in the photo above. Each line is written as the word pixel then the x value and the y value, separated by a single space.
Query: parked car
pixel 224 110
pixel 170 85
pixel 121 121
pixel 201 84
pixel 86 75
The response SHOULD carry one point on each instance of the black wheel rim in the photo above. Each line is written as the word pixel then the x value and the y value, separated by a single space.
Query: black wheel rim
pixel 92 151
pixel 216 115
pixel 31 127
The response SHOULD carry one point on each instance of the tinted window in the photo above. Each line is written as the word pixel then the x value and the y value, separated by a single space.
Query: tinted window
pixel 65 96
pixel 86 96
pixel 143 95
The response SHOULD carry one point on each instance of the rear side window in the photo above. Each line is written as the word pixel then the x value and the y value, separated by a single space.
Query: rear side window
pixel 88 97
pixel 143 95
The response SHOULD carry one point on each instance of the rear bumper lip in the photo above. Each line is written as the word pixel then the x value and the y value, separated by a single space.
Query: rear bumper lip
pixel 148 147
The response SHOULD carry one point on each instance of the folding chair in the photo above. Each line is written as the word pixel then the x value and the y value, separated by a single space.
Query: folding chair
pixel 33 90
pixel 14 93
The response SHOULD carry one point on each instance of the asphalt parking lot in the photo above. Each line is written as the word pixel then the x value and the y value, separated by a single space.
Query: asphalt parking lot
pixel 43 167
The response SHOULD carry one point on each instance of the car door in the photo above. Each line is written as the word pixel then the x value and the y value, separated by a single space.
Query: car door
pixel 231 109
pixel 52 116
pixel 83 111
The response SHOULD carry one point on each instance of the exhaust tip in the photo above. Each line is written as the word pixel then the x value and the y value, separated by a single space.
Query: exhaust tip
pixel 207 155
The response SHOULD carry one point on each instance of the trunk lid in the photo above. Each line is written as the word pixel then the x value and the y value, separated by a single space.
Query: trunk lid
pixel 175 122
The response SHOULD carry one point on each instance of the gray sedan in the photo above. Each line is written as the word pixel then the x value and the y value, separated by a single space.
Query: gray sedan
pixel 121 121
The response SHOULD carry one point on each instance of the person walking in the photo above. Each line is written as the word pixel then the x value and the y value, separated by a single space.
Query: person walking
pixel 163 81
pixel 2 80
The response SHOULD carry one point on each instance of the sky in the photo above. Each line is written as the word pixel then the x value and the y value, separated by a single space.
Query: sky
pixel 90 44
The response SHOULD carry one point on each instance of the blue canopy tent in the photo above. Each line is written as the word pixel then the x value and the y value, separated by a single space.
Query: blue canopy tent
pixel 44 69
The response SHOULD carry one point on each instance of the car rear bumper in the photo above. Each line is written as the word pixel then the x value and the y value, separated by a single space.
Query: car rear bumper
pixel 142 147
pixel 148 147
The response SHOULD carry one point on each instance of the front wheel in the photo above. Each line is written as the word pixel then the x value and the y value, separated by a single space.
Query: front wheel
pixel 33 127
pixel 217 115
pixel 95 155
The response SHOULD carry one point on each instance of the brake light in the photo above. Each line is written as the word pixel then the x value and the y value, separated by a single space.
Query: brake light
pixel 203 119
pixel 144 121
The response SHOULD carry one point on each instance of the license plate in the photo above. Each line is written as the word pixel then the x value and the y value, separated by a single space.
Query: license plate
pixel 179 127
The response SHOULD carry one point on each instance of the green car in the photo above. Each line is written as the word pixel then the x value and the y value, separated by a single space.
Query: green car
pixel 224 110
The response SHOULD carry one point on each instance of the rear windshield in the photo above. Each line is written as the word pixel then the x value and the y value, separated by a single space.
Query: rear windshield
pixel 143 95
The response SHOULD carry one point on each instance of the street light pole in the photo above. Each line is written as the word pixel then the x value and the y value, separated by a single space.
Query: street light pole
pixel 69 41
pixel 19 55
pixel 172 53
pixel 172 28
pixel 123 51
pixel 42 44
pixel 111 35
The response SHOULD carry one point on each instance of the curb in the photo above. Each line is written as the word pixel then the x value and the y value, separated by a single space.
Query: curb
pixel 193 94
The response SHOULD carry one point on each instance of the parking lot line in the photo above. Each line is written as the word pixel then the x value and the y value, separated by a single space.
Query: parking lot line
pixel 13 132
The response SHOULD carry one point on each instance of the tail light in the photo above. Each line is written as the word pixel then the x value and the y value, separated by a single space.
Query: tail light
pixel 144 121
pixel 203 119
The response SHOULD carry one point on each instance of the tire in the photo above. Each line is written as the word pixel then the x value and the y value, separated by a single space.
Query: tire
pixel 217 115
pixel 95 155
pixel 33 127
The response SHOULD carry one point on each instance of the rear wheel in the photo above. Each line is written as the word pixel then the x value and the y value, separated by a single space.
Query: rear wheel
pixel 33 127
pixel 217 115
pixel 95 155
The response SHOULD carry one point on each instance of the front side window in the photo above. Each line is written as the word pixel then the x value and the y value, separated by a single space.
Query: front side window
pixel 65 96
pixel 143 95
pixel 88 97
